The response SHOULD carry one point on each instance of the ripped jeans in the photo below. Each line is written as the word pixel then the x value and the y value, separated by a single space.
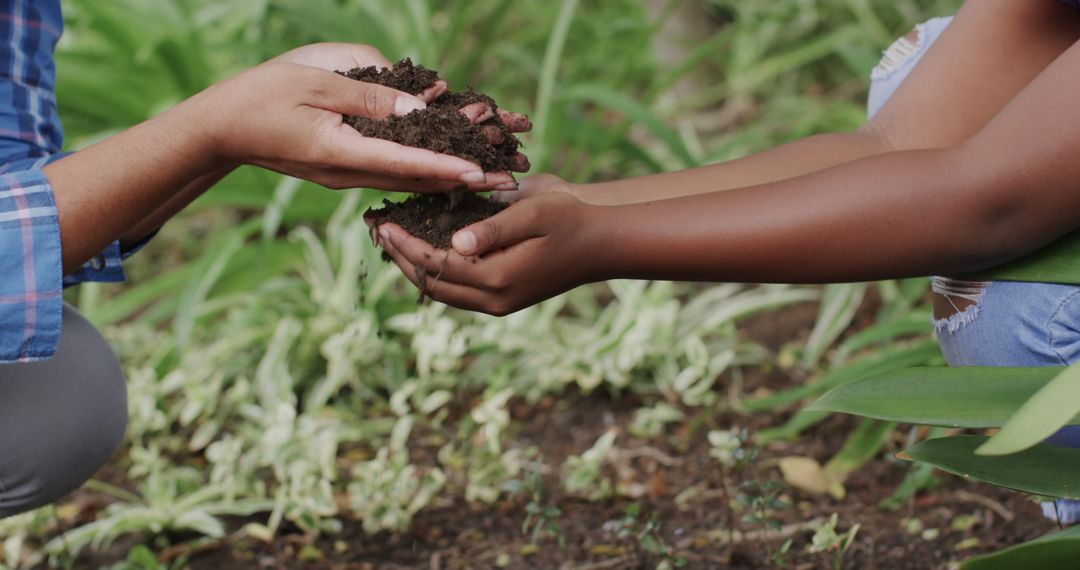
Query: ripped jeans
pixel 995 323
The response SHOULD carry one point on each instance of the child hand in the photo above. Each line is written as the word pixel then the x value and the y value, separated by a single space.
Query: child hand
pixel 532 251
pixel 286 115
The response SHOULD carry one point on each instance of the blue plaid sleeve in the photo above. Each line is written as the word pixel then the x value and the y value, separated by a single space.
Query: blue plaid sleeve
pixel 30 268
pixel 31 136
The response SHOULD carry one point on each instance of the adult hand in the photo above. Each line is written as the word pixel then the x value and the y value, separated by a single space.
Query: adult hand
pixel 535 249
pixel 340 56
pixel 286 115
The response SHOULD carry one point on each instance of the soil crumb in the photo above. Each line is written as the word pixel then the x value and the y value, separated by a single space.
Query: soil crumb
pixel 431 218
pixel 440 127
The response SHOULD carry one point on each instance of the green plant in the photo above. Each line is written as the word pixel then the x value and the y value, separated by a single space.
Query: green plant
pixel 827 539
pixel 274 361
pixel 1027 403
pixel 584 474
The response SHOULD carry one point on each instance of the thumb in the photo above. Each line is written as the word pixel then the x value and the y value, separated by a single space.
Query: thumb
pixel 511 226
pixel 350 97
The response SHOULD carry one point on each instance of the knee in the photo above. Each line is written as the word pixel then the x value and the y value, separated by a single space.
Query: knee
pixel 899 59
pixel 72 416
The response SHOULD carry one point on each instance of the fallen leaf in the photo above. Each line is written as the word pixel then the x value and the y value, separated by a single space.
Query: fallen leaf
pixel 804 474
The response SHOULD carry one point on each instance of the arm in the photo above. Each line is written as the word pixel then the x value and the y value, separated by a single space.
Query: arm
pixel 284 115
pixel 988 54
pixel 1009 189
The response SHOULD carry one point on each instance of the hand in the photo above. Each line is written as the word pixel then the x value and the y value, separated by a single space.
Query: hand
pixel 286 115
pixel 535 249
pixel 340 56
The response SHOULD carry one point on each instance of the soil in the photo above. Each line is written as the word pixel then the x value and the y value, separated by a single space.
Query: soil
pixel 436 217
pixel 444 129
pixel 584 535
pixel 440 127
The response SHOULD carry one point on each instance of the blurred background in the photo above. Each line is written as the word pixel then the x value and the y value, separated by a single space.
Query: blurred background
pixel 291 404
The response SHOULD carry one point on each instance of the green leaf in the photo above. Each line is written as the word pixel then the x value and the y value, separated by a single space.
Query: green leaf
pixel 963 397
pixel 1057 550
pixel 1048 470
pixel 1057 263
pixel 892 358
pixel 1052 407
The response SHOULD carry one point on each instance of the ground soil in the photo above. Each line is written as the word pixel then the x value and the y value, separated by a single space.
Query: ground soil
pixel 440 127
pixel 455 535
pixel 435 218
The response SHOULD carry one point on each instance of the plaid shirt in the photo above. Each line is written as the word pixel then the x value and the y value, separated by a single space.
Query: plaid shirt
pixel 31 273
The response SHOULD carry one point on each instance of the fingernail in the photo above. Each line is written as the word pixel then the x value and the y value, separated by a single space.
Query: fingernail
pixel 384 235
pixel 507 186
pixel 464 243
pixel 474 177
pixel 406 105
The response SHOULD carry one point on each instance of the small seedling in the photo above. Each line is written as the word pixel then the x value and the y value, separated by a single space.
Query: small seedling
pixel 826 539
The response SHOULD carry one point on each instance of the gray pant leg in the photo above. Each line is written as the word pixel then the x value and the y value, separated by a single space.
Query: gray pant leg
pixel 60 419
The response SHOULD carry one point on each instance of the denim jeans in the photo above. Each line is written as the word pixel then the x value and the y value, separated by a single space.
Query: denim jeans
pixel 997 323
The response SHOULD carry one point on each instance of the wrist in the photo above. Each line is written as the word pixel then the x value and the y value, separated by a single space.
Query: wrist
pixel 197 121
pixel 598 194
pixel 598 256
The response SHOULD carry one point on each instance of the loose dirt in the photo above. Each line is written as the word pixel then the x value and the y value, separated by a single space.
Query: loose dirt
pixel 435 218
pixel 444 129
pixel 441 127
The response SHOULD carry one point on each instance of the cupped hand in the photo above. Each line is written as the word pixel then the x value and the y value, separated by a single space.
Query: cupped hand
pixel 286 115
pixel 535 249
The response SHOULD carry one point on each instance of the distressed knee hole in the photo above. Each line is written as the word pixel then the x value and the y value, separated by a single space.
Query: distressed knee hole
pixel 956 302
pixel 900 52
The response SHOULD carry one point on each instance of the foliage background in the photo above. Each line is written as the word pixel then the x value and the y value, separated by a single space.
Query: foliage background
pixel 278 369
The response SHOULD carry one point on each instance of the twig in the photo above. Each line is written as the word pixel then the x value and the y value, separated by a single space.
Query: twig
pixel 784 532
pixel 986 502
pixel 652 453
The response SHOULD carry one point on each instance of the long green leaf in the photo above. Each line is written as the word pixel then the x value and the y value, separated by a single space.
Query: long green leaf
pixel 1057 550
pixel 1048 470
pixel 893 358
pixel 963 397
pixel 1054 406
pixel 1057 263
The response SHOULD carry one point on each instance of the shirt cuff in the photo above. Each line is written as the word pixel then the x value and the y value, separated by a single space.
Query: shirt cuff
pixel 31 268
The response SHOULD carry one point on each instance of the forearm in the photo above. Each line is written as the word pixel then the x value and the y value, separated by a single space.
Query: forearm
pixel 179 200
pixel 893 215
pixel 108 190
pixel 787 161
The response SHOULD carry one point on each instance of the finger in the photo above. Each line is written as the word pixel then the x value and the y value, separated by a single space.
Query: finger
pixel 493 133
pixel 501 181
pixel 434 92
pixel 477 112
pixel 348 149
pixel 511 226
pixel 516 122
pixel 426 278
pixel 453 268
pixel 341 178
pixel 508 197
pixel 519 163
pixel 350 97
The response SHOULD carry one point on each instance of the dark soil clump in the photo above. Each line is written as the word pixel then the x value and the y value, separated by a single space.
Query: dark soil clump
pixel 404 76
pixel 440 127
pixel 431 217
